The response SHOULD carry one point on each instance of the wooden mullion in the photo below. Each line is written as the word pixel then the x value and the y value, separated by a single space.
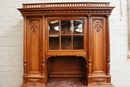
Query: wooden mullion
pixel 60 34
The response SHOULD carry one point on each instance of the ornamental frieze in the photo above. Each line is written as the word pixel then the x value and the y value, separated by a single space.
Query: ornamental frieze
pixel 67 12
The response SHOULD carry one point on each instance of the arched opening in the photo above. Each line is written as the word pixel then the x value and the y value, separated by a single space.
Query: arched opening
pixel 67 68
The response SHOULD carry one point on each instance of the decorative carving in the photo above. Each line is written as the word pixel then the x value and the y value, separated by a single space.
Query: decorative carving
pixel 33 6
pixel 38 5
pixel 43 65
pixel 34 26
pixel 96 4
pixel 33 81
pixel 25 67
pixel 90 66
pixel 98 25
pixel 65 5
pixel 99 81
pixel 108 65
pixel 66 12
pixel 78 74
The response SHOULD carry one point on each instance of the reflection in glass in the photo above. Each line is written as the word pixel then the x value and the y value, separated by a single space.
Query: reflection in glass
pixel 65 27
pixel 66 35
pixel 54 27
pixel 53 43
pixel 78 26
pixel 78 42
pixel 66 42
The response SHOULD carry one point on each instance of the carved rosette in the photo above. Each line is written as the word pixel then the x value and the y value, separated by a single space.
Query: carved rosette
pixel 34 26
pixel 98 25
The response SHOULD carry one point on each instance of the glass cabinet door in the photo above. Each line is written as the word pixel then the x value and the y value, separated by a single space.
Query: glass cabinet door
pixel 54 43
pixel 66 35
pixel 53 27
pixel 66 43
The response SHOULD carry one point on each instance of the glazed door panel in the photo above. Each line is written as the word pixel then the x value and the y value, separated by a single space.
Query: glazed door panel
pixel 98 45
pixel 33 45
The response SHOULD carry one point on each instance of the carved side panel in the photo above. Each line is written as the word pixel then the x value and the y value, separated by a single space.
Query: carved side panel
pixel 33 45
pixel 98 46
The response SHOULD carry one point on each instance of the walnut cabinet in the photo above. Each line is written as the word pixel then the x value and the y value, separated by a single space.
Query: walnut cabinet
pixel 66 41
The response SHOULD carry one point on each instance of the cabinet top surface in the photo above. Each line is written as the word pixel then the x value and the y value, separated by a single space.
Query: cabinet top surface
pixel 66 8
pixel 66 4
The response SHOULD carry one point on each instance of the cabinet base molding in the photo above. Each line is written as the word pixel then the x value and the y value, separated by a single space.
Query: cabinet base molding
pixel 89 85
pixel 102 85
pixel 33 85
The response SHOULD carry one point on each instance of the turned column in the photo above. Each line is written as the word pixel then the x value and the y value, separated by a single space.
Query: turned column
pixel 90 47
pixel 25 59
pixel 108 45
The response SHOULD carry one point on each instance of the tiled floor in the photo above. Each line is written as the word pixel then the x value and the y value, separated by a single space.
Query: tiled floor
pixel 65 84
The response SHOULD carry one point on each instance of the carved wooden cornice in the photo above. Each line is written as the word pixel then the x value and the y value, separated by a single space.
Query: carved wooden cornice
pixel 61 12
pixel 84 8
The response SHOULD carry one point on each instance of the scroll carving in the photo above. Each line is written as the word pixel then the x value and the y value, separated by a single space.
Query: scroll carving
pixel 34 26
pixel 98 25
